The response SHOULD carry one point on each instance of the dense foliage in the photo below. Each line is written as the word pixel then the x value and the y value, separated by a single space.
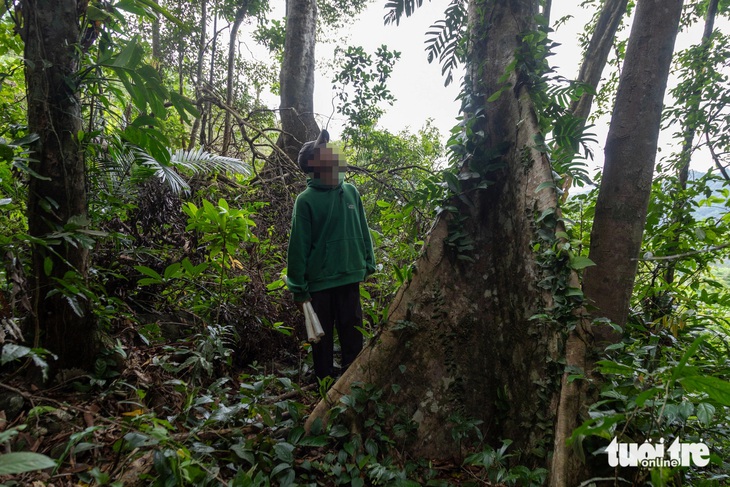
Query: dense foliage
pixel 205 376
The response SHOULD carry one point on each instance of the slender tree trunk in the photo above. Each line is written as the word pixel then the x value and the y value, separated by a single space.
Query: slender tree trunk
pixel 630 152
pixel 567 468
pixel 689 128
pixel 156 46
pixel 208 140
pixel 596 55
pixel 547 9
pixel 240 15
pixel 57 195
pixel 463 339
pixel 199 70
pixel 297 77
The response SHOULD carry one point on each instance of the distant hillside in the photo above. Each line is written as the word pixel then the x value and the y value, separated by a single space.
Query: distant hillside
pixel 716 210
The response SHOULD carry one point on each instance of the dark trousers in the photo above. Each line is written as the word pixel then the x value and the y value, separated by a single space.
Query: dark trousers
pixel 340 307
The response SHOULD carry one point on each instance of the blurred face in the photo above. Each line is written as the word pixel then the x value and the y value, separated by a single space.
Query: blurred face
pixel 329 165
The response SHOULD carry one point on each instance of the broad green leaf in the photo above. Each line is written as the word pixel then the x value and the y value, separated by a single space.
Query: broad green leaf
pixel 148 281
pixel 316 441
pixel 646 395
pixel 20 462
pixel 611 367
pixel 284 452
pixel 280 468
pixel 717 389
pixel 452 181
pixel 154 6
pixel 94 13
pixel 691 350
pixel 705 412
pixel 129 56
pixel 580 262
pixel 173 270
pixel 11 352
pixel 148 272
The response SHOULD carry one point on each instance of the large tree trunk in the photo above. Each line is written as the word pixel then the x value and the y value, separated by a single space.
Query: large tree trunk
pixel 630 151
pixel 297 77
pixel 462 339
pixel 57 194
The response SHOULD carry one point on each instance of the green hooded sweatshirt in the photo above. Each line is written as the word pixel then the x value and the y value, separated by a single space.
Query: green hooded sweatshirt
pixel 330 242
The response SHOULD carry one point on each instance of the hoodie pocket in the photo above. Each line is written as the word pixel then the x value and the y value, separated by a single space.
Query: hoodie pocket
pixel 344 256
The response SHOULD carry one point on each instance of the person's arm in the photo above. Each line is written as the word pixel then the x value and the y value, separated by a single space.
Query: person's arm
pixel 369 254
pixel 300 241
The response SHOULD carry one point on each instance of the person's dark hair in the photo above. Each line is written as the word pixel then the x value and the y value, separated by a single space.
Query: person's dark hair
pixel 306 153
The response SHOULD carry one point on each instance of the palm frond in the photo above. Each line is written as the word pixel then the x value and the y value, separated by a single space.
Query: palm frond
pixel 445 39
pixel 196 161
pixel 168 174
pixel 396 8
pixel 200 161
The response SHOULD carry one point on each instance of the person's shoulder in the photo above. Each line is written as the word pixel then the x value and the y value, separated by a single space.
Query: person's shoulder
pixel 350 188
pixel 305 195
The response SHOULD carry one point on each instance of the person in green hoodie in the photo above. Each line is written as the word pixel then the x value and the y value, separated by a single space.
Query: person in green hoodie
pixel 330 252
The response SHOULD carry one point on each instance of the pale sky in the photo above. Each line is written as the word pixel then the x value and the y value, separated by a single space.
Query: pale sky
pixel 418 86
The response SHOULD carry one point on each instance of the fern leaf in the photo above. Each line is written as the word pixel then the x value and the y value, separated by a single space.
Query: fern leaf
pixel 396 8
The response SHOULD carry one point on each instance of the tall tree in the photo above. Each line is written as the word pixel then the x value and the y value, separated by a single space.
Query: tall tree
pixel 480 330
pixel 689 127
pixel 630 153
pixel 465 338
pixel 57 205
pixel 230 84
pixel 202 42
pixel 297 77
pixel 597 52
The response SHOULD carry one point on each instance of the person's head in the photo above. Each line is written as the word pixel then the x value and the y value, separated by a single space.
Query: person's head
pixel 322 161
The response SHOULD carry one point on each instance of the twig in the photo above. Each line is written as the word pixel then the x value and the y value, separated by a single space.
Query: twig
pixel 716 158
pixel 685 254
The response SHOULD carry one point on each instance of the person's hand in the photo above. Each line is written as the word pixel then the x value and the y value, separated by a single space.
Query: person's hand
pixel 300 304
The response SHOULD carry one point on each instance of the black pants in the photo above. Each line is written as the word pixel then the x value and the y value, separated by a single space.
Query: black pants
pixel 340 307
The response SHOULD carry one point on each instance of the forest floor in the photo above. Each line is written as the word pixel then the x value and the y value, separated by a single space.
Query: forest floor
pixel 111 431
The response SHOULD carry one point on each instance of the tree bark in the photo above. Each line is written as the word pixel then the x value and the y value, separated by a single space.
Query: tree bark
pixel 596 55
pixel 227 131
pixel 57 195
pixel 297 77
pixel 462 340
pixel 567 468
pixel 206 138
pixel 630 151
pixel 156 46
pixel 199 71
